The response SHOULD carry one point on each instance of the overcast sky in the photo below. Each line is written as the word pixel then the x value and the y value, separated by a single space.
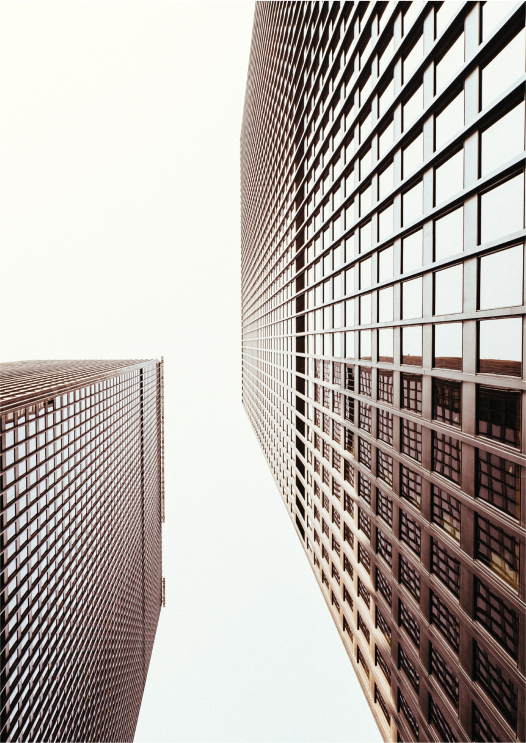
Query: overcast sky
pixel 119 141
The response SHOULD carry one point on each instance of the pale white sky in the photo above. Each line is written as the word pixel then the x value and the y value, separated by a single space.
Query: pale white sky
pixel 119 214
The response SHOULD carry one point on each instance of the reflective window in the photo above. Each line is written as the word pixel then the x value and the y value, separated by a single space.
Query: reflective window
pixel 349 312
pixel 349 344
pixel 365 309
pixel 412 345
pixel 365 237
pixel 327 318
pixel 386 181
pixel 413 107
pixel 449 234
pixel 387 95
pixel 349 281
pixel 449 290
pixel 450 63
pixel 413 155
pixel 413 59
pixel 500 346
pixel 412 299
pixel 501 279
pixel 365 345
pixel 366 163
pixel 386 139
pixel 503 70
pixel 449 121
pixel 366 277
pixel 448 346
pixel 386 264
pixel 502 209
pixel 449 177
pixel 366 200
pixel 385 304
pixel 492 15
pixel 412 251
pixel 412 203
pixel 385 345
pixel 503 140
pixel 366 126
pixel 386 222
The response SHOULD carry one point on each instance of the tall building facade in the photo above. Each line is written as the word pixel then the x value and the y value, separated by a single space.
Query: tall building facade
pixel 82 506
pixel 382 237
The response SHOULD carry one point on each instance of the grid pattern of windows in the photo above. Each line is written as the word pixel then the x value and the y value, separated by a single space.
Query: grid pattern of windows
pixel 410 532
pixel 385 386
pixel 501 621
pixel 412 439
pixel 445 620
pixel 498 482
pixel 381 703
pixel 364 522
pixel 384 467
pixel 409 715
pixel 360 656
pixel 446 567
pixel 385 426
pixel 383 586
pixel 365 417
pixel 409 578
pixel 82 485
pixel 481 728
pixel 412 392
pixel 447 401
pixel 411 486
pixel 364 557
pixel 365 381
pixel 364 593
pixel 363 627
pixel 438 719
pixel 383 625
pixel 409 622
pixel 384 547
pixel 498 414
pixel 497 549
pixel 380 661
pixel 446 456
pixel 384 507
pixel 445 675
pixel 365 453
pixel 364 488
pixel 408 667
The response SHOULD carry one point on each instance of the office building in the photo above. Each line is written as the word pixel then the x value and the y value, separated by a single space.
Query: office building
pixel 82 505
pixel 382 237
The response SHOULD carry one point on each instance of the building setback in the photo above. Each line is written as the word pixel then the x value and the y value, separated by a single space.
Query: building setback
pixel 82 506
pixel 382 234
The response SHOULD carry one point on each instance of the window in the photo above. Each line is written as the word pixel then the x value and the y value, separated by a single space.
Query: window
pixel 449 234
pixel 384 507
pixel 413 107
pixel 365 452
pixel 385 345
pixel 412 299
pixel 385 426
pixel 503 70
pixel 383 625
pixel 378 698
pixel 501 279
pixel 349 409
pixel 412 345
pixel 481 727
pixel 503 140
pixel 412 204
pixel 445 621
pixel 335 574
pixel 411 718
pixel 385 386
pixel 502 209
pixel 349 377
pixel 413 155
pixel 450 63
pixel 337 374
pixel 449 290
pixel 501 621
pixel 447 397
pixel 361 659
pixel 498 482
pixel 445 676
pixel 347 566
pixel 365 381
pixel 498 550
pixel 446 512
pixel 449 178
pixel 347 596
pixel 411 486
pixel 500 349
pixel 365 345
pixel 409 578
pixel 364 488
pixel 386 181
pixel 447 456
pixel 363 627
pixel 348 536
pixel 386 222
pixel 446 567
pixel 412 439
pixel 410 624
pixel 336 432
pixel 384 587
pixel 348 504
pixel 386 264
pixel 448 346
pixel 436 717
pixel 364 558
pixel 385 467
pixel 413 251
pixel 498 414
pixel 449 121
pixel 348 473
pixel 326 398
pixel 382 663
pixel 336 518
pixel 385 305
pixel 364 523
pixel 408 667
pixel 412 392
pixel 499 687
pixel 346 628
pixel 326 424
pixel 413 58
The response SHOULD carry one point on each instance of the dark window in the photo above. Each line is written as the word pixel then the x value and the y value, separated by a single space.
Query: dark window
pixel 364 557
pixel 361 659
pixel 410 624
pixel 334 600
pixel 380 661
pixel 412 439
pixel 384 587
pixel 349 409
pixel 446 512
pixel 385 426
pixel 444 674
pixel 335 545
pixel 326 398
pixel 498 482
pixel 411 486
pixel 347 596
pixel 317 393
pixel 497 549
pixel 365 453
pixel 365 381
pixel 317 442
pixel 439 721
pixel 498 414
pixel 348 536
pixel 446 567
pixel 348 472
pixel 446 621
pixel 337 403
pixel 499 687
pixel 411 718
pixel 347 628
pixel 447 405
pixel 410 532
pixel 408 667
pixel 384 547
pixel 325 501
pixel 317 368
pixel 326 475
pixel 327 371
pixel 326 424
pixel 324 579
pixel 385 386
pixel 383 625
pixel 500 620
pixel 385 467
pixel 364 628
pixel 384 507
pixel 446 456
pixel 364 488
pixel 364 594
pixel 383 706
pixel 409 578
pixel 481 728
pixel 365 417
pixel 335 574
pixel 337 373
pixel 347 565
pixel 412 392
pixel 349 441
pixel 364 522
pixel 349 378
pixel 348 504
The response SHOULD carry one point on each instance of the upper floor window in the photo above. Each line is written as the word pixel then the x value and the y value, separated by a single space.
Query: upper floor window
pixel 503 140
pixel 502 209
pixel 450 63
pixel 412 251
pixel 412 392
pixel 448 346
pixel 504 69
pixel 449 121
pixel 449 234
pixel 498 414
pixel 500 346
pixel 500 282
pixel 449 290
pixel 447 401
pixel 412 345
pixel 498 482
pixel 413 107
pixel 492 15
pixel 413 58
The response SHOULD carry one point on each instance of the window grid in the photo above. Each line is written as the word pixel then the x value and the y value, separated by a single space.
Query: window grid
pixel 412 392
pixel 446 456
pixel 384 507
pixel 385 386
pixel 445 675
pixel 412 439
pixel 501 621
pixel 409 578
pixel 497 549
pixel 384 587
pixel 446 567
pixel 410 624
pixel 447 397
pixel 406 710
pixel 385 426
pixel 498 482
pixel 411 486
pixel 501 689
pixel 446 512
pixel 385 467
pixel 382 663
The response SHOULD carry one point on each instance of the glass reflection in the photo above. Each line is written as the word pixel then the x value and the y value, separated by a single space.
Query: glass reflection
pixel 500 346
pixel 501 279
pixel 412 251
pixel 385 305
pixel 366 278
pixel 365 237
pixel 349 344
pixel 412 299
pixel 449 234
pixel 502 209
pixel 448 346
pixel 365 310
pixel 449 121
pixel 502 141
pixel 385 345
pixel 365 345
pixel 449 290
pixel 386 222
pixel 386 264
pixel 412 204
pixel 412 345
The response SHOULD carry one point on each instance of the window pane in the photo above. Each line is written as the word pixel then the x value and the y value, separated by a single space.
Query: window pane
pixel 385 264
pixel 450 63
pixel 414 58
pixel 412 345
pixel 502 141
pixel 449 178
pixel 412 248
pixel 365 237
pixel 386 181
pixel 413 155
pixel 349 312
pixel 413 203
pixel 349 344
pixel 444 14
pixel 501 279
pixel 366 200
pixel 448 346
pixel 502 209
pixel 450 121
pixel 503 70
pixel 366 163
pixel 366 278
pixel 492 15
pixel 413 107
pixel 500 346
pixel 449 234
pixel 448 291
pixel 386 222
pixel 385 345
pixel 365 310
pixel 385 305
pixel 365 345
pixel 386 139
pixel 412 299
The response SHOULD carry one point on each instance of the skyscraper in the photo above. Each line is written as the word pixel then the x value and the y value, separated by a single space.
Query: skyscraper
pixel 82 506
pixel 382 238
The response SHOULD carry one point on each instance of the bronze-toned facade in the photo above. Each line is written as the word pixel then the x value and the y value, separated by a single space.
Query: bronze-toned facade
pixel 82 505
pixel 382 238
